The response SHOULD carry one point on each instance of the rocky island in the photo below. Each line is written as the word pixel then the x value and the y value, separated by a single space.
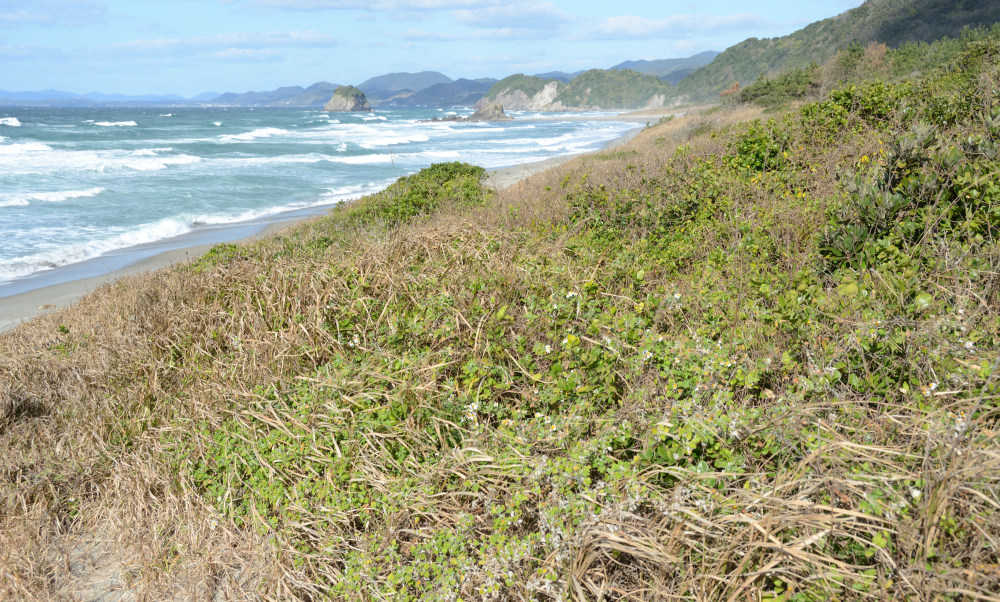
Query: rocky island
pixel 347 98
pixel 486 112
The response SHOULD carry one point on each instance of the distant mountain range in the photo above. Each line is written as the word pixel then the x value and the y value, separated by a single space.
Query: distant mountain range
pixel 430 89
pixel 391 85
pixel 461 92
pixel 60 98
pixel 669 70
pixel 289 96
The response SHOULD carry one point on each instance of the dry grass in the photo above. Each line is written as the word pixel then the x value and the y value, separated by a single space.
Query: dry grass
pixel 107 406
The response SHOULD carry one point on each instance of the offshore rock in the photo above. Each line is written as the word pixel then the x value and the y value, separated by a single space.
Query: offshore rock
pixel 489 112
pixel 347 98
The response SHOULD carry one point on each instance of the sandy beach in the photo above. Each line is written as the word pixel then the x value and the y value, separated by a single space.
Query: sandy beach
pixel 23 300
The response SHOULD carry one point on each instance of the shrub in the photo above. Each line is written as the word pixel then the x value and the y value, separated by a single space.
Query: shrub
pixel 762 147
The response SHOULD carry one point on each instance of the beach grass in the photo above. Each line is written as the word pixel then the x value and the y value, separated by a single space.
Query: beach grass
pixel 744 356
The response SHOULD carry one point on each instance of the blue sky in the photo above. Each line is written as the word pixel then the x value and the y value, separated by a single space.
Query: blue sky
pixel 192 46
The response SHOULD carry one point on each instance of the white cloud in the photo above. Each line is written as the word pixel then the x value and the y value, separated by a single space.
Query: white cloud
pixel 514 16
pixel 249 55
pixel 233 41
pixel 19 13
pixel 496 33
pixel 630 26
pixel 378 5
pixel 28 53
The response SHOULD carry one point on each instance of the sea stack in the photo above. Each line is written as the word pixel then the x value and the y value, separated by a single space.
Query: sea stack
pixel 347 98
pixel 490 112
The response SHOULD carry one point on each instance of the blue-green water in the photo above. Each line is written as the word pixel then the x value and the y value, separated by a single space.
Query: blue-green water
pixel 79 184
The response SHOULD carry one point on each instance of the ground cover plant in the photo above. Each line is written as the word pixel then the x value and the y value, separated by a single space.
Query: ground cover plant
pixel 745 357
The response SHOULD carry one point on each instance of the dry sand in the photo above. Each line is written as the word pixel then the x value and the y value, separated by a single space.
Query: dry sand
pixel 19 308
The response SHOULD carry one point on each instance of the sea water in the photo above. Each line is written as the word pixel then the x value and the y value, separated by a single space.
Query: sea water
pixel 78 184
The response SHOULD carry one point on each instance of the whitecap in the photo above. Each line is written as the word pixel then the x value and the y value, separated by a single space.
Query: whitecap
pixel 253 135
pixel 13 122
pixel 23 147
pixel 363 159
pixel 167 228
pixel 151 152
pixel 61 256
pixel 155 163
pixel 115 124
pixel 217 124
pixel 23 199
pixel 35 158
pixel 167 115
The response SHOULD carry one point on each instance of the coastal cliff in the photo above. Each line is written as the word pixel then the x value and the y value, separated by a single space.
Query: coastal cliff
pixel 522 93
pixel 595 89
pixel 347 98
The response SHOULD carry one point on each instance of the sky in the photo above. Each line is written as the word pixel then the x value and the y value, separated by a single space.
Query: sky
pixel 192 46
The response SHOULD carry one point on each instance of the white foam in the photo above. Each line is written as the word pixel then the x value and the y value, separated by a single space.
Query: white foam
pixel 253 135
pixel 75 253
pixel 392 139
pixel 371 136
pixel 163 229
pixel 10 122
pixel 116 124
pixel 217 124
pixel 38 158
pixel 151 152
pixel 363 159
pixel 23 199
pixel 23 147
pixel 167 115
pixel 277 160
pixel 153 163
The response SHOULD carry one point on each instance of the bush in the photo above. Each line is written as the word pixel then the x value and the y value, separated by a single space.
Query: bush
pixel 422 193
pixel 794 85
pixel 762 148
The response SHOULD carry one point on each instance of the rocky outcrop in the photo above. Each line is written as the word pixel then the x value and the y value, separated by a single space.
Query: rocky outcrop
pixel 518 100
pixel 347 98
pixel 489 112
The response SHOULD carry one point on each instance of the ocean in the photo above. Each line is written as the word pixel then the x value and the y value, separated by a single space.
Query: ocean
pixel 104 187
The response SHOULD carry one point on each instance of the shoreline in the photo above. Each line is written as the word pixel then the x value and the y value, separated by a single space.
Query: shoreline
pixel 27 299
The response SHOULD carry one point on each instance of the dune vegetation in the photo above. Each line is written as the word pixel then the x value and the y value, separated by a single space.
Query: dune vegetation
pixel 745 356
